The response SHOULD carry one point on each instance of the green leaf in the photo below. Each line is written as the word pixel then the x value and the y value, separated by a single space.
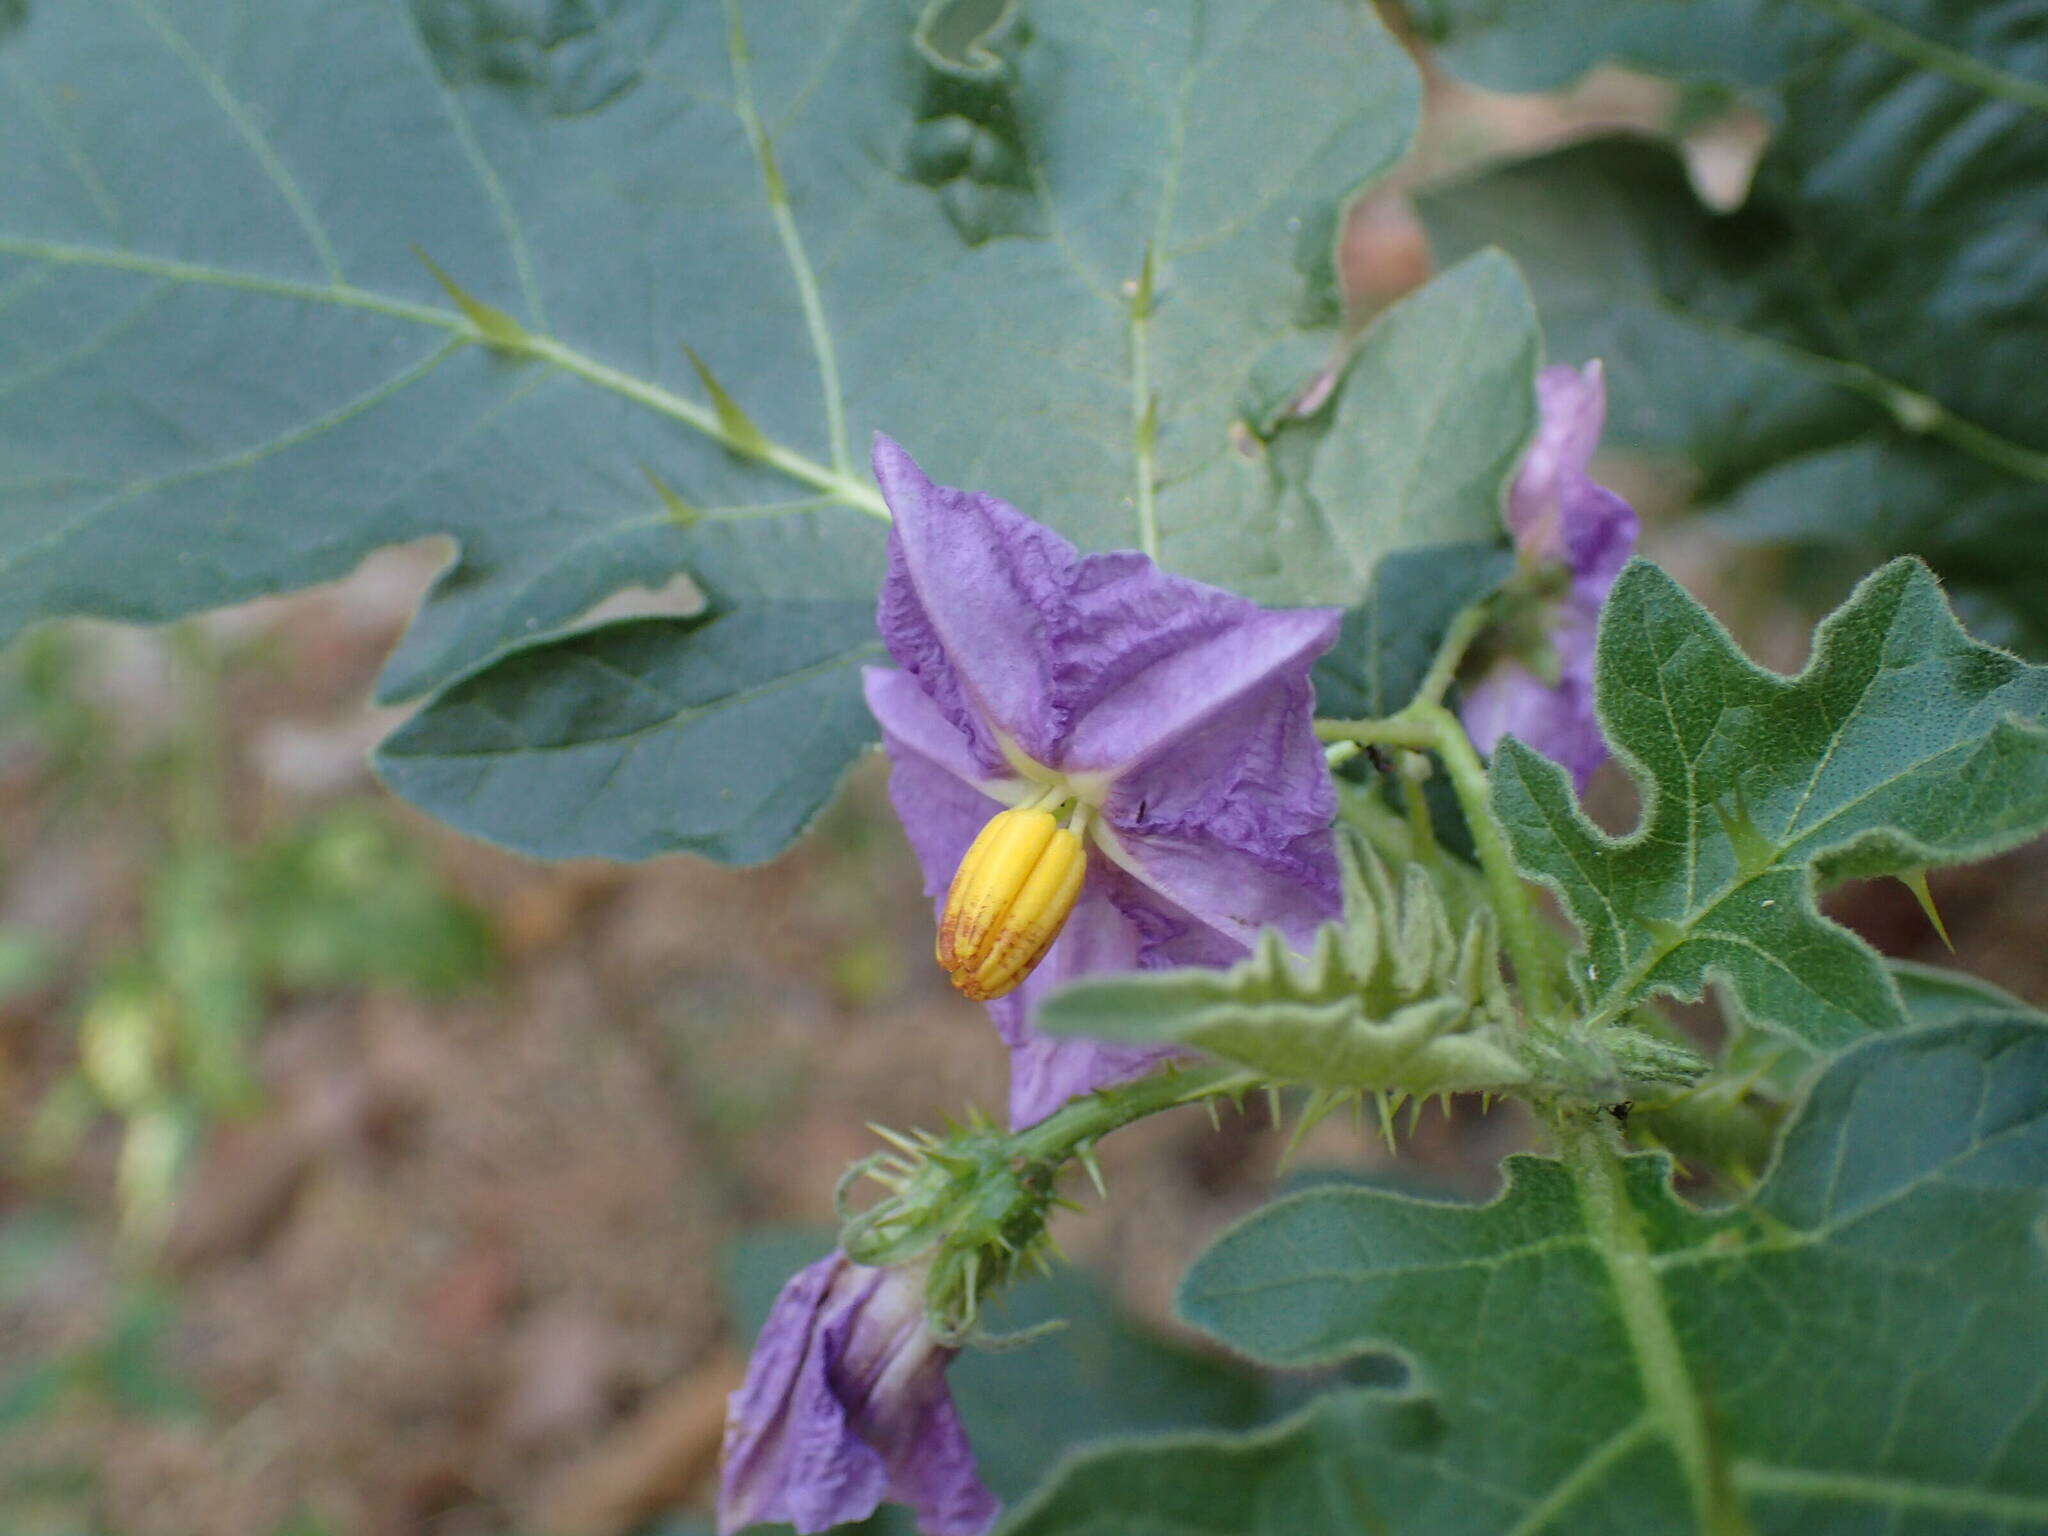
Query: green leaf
pixel 1903 744
pixel 226 372
pixel 1388 999
pixel 1432 418
pixel 1430 422
pixel 1851 357
pixel 1858 1349
pixel 1510 47
pixel 1388 641
pixel 722 734
pixel 1934 994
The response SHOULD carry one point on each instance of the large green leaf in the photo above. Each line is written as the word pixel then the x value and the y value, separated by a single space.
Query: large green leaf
pixel 1434 411
pixel 1862 1347
pixel 1903 744
pixel 1852 357
pixel 721 735
pixel 1044 247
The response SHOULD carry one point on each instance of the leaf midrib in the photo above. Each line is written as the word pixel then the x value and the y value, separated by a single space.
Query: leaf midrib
pixel 1901 401
pixel 1671 1398
pixel 1936 58
pixel 543 348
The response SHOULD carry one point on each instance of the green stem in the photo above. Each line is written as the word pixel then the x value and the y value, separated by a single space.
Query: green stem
pixel 1413 801
pixel 1069 1131
pixel 1426 726
pixel 1585 1140
pixel 1464 629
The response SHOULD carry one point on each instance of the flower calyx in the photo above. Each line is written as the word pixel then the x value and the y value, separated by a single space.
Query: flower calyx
pixel 968 1208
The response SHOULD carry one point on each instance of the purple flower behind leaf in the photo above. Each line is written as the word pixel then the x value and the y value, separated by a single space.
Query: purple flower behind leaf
pixel 845 1404
pixel 1172 721
pixel 1559 518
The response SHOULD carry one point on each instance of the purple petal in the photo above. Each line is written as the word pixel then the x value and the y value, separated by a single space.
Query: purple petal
pixel 1048 1070
pixel 1089 663
pixel 933 775
pixel 1233 825
pixel 967 607
pixel 1150 664
pixel 845 1404
pixel 1559 516
pixel 1555 719
pixel 1571 407
pixel 1183 879
pixel 1600 534
pixel 789 1453
pixel 1556 513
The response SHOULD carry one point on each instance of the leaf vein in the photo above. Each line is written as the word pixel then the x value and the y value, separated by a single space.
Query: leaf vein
pixel 251 134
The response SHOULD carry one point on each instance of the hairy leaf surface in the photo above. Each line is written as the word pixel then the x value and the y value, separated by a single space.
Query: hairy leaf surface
pixel 1864 1340
pixel 1903 744
pixel 1390 998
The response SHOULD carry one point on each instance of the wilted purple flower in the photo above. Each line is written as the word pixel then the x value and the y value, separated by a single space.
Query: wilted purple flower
pixel 1170 721
pixel 1559 518
pixel 845 1404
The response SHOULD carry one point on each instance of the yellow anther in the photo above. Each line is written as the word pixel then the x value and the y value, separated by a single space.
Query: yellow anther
pixel 987 883
pixel 1009 901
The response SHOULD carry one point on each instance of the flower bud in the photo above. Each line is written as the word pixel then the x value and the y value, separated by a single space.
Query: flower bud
pixel 1009 900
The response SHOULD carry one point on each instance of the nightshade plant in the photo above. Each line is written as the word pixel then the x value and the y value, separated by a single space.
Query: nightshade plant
pixel 613 292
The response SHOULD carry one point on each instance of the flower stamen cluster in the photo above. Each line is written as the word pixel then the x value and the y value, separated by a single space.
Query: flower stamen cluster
pixel 1012 894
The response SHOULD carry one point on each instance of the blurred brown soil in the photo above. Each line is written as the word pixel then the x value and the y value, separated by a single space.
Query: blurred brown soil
pixel 458 1271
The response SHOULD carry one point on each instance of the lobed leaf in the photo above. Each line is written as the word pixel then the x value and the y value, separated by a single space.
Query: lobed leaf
pixel 1903 744
pixel 1389 999
pixel 1863 1340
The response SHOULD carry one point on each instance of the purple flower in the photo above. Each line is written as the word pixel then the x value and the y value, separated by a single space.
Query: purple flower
pixel 845 1404
pixel 1561 519
pixel 1170 721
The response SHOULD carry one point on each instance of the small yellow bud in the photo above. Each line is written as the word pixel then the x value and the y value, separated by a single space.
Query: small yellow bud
pixel 1009 900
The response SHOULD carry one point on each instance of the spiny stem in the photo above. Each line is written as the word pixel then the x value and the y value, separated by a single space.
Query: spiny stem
pixel 1084 1121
